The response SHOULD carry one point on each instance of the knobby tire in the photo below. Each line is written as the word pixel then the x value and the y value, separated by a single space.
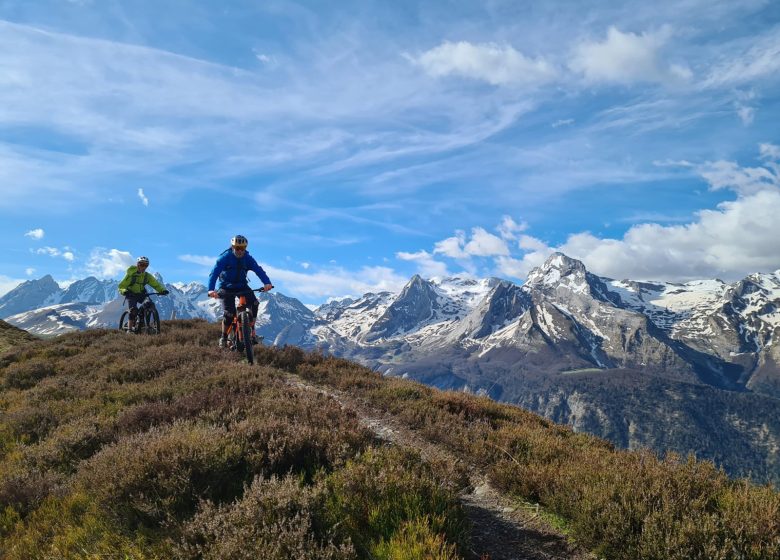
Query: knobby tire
pixel 123 321
pixel 246 334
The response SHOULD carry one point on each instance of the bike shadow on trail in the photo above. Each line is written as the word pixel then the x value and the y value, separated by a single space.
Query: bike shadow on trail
pixel 495 538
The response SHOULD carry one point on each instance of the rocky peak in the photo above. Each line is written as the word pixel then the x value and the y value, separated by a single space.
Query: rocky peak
pixel 415 304
pixel 555 269
pixel 28 295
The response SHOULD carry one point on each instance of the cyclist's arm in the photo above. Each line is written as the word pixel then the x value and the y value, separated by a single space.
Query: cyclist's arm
pixel 215 272
pixel 152 281
pixel 257 269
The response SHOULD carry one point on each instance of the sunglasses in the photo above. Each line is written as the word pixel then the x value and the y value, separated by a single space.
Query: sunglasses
pixel 142 265
pixel 242 249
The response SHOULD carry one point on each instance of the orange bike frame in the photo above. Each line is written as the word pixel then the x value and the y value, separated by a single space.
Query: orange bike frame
pixel 234 325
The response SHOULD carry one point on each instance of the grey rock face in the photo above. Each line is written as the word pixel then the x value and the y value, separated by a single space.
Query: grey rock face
pixel 416 304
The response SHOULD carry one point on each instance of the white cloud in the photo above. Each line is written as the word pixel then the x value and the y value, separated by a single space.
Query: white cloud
pixel 729 242
pixel 143 198
pixel 36 233
pixel 427 266
pixel 51 251
pixel 489 62
pixel 198 259
pixel 305 265
pixel 742 180
pixel 769 151
pixel 109 263
pixel 484 244
pixel 66 253
pixel 626 58
pixel 481 244
pixel 29 271
pixel 452 246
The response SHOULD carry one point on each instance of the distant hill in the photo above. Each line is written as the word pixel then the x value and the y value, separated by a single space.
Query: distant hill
pixel 11 336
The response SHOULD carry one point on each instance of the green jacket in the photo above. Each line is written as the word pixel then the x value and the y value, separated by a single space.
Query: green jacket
pixel 135 282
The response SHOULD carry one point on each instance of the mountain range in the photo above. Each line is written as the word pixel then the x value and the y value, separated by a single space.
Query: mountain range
pixel 684 367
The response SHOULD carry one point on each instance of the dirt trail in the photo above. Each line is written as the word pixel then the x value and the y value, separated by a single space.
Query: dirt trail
pixel 502 529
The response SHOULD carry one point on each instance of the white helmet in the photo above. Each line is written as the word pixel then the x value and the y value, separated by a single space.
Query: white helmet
pixel 239 241
pixel 142 260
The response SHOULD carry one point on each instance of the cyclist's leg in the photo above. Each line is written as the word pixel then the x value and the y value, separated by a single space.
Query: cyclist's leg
pixel 132 305
pixel 228 312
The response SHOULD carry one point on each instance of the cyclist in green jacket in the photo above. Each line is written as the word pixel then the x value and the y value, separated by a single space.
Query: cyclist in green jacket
pixel 133 286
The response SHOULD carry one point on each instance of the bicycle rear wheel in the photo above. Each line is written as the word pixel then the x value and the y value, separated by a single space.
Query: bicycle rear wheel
pixel 246 334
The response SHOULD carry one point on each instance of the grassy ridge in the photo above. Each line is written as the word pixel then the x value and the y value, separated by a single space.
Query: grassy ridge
pixel 165 447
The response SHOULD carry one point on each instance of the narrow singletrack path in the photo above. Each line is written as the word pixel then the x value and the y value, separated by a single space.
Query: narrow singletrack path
pixel 502 529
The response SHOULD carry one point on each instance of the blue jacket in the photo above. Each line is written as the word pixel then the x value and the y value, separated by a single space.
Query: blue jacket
pixel 232 271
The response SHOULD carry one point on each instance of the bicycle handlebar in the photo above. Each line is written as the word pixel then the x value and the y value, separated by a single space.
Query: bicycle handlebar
pixel 235 293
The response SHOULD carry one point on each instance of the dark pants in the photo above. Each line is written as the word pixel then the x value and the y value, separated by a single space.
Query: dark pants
pixel 133 301
pixel 228 298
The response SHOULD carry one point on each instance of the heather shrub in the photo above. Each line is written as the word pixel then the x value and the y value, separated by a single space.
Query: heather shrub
pixel 275 519
pixel 67 446
pixel 163 473
pixel 74 527
pixel 24 490
pixel 30 423
pixel 312 438
pixel 23 375
pixel 373 497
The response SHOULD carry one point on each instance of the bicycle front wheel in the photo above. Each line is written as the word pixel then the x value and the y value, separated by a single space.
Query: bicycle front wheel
pixel 152 321
pixel 246 334
pixel 124 321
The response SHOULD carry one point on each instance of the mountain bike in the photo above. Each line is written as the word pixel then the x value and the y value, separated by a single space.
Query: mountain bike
pixel 147 319
pixel 241 332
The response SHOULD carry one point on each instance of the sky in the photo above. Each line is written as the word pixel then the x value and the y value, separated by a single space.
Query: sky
pixel 356 143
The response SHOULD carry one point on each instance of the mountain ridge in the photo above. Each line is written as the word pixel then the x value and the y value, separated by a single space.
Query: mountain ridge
pixel 515 342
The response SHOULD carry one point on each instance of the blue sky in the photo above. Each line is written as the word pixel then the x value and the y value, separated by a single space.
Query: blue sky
pixel 357 143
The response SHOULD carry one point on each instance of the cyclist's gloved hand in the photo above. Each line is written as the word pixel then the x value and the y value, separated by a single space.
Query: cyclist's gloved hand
pixel 268 287
pixel 164 293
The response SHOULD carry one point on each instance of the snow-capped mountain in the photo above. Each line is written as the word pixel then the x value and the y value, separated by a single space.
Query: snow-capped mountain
pixel 595 352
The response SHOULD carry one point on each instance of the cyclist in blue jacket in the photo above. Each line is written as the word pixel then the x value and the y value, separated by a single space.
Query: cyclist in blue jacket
pixel 231 268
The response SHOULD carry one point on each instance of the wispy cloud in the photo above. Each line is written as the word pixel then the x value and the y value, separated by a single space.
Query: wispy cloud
pixel 65 253
pixel 198 259
pixel 36 233
pixel 142 196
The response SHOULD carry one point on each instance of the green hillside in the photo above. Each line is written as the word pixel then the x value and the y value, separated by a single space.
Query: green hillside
pixel 166 447
pixel 10 336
